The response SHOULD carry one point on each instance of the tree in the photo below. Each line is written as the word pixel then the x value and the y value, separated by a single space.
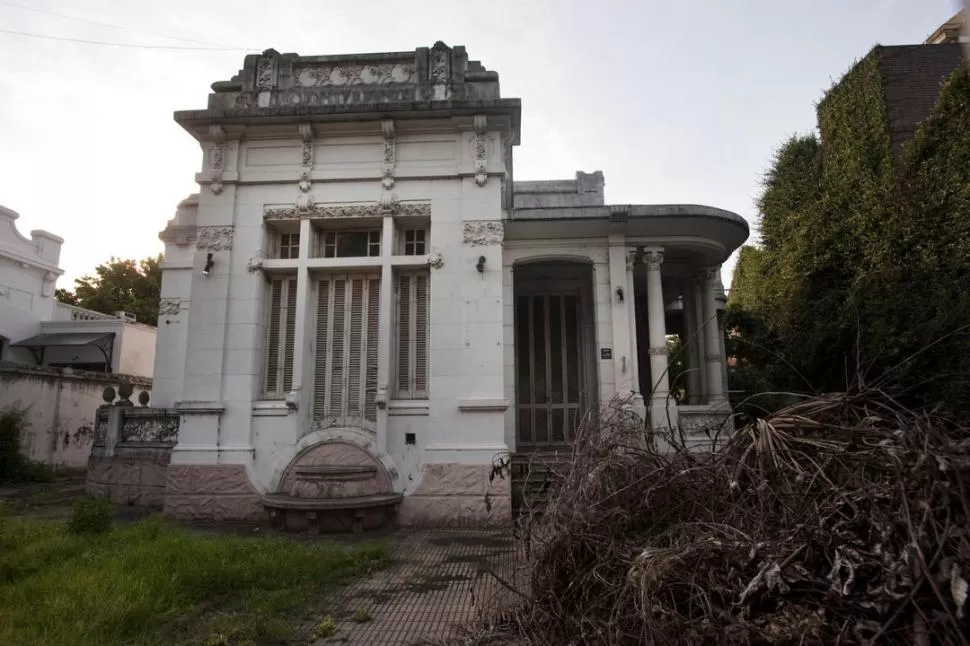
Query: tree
pixel 125 285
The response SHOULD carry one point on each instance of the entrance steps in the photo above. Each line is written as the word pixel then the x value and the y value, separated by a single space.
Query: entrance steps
pixel 534 474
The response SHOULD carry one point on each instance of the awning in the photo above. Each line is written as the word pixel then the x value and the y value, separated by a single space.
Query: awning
pixel 103 341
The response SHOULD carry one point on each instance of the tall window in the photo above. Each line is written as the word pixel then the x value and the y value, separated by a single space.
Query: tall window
pixel 412 335
pixel 281 330
pixel 288 246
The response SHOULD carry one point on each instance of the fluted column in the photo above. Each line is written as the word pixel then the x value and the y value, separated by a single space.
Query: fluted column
pixel 663 409
pixel 712 341
pixel 637 397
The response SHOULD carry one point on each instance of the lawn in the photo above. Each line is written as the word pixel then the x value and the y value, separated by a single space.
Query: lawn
pixel 153 582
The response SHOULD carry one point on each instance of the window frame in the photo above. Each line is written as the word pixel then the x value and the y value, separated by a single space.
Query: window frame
pixel 416 372
pixel 281 374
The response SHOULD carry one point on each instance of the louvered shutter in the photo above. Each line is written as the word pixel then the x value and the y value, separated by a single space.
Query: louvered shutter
pixel 280 338
pixel 345 371
pixel 412 336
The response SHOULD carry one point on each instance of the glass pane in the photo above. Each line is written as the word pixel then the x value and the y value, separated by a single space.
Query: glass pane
pixel 555 348
pixel 539 349
pixel 542 426
pixel 572 348
pixel 352 243
pixel 525 425
pixel 522 379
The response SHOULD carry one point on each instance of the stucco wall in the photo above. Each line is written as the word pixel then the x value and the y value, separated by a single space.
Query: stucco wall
pixel 61 410
pixel 28 270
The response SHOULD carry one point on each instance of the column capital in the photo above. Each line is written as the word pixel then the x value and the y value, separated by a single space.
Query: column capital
pixel 631 257
pixel 708 274
pixel 653 258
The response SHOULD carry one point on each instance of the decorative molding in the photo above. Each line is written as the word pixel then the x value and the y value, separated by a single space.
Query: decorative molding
pixel 435 260
pixel 47 288
pixel 481 150
pixel 482 233
pixel 265 73
pixel 390 153
pixel 214 238
pixel 386 206
pixel 344 74
pixel 169 306
pixel 653 259
pixel 712 358
pixel 255 263
pixel 178 234
pixel 485 404
pixel 155 427
pixel 306 165
pixel 631 258
pixel 438 72
pixel 707 274
pixel 218 161
pixel 657 352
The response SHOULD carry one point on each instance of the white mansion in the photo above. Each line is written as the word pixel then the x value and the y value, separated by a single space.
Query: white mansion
pixel 361 309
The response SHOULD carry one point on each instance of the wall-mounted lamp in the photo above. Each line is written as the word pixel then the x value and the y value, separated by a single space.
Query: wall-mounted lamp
pixel 208 264
pixel 619 294
pixel 481 264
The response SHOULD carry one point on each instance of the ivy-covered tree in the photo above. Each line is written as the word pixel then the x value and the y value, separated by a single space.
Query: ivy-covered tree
pixel 128 285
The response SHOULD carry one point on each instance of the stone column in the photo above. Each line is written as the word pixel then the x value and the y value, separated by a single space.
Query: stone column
pixel 636 399
pixel 663 409
pixel 385 317
pixel 712 341
pixel 692 334
pixel 301 396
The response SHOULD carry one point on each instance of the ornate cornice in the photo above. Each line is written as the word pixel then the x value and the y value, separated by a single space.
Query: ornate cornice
pixel 352 210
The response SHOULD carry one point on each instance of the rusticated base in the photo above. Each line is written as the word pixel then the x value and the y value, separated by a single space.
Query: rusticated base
pixel 458 495
pixel 129 480
pixel 211 492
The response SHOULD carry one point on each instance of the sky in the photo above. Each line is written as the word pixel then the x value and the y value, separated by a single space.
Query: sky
pixel 675 101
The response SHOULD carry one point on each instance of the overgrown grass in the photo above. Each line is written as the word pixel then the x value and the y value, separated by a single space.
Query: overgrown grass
pixel 155 583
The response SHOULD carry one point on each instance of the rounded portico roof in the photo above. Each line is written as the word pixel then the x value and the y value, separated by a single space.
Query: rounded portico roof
pixel 705 233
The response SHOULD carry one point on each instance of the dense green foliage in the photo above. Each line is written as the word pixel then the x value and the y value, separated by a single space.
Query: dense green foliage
pixel 90 516
pixel 154 583
pixel 13 422
pixel 862 273
pixel 128 285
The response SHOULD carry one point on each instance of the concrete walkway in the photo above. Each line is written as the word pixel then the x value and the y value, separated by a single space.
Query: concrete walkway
pixel 439 583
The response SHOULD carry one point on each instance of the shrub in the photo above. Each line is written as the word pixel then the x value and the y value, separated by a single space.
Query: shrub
pixel 13 423
pixel 91 516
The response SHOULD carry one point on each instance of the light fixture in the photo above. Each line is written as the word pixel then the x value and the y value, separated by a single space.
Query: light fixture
pixel 619 294
pixel 208 264
pixel 481 264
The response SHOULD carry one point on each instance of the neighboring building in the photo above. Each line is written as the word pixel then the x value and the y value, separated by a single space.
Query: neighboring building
pixel 361 307
pixel 50 351
pixel 952 31
pixel 37 330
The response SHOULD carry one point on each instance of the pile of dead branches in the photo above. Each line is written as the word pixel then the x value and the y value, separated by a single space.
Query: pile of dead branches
pixel 839 520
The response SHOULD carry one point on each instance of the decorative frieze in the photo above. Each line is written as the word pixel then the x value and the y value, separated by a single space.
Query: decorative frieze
pixel 435 260
pixel 390 153
pixel 218 161
pixel 169 306
pixel 481 150
pixel 266 73
pixel 157 427
pixel 306 163
pixel 355 210
pixel 214 238
pixel 344 74
pixel 482 233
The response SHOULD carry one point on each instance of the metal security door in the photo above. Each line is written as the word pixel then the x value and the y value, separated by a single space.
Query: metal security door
pixel 550 368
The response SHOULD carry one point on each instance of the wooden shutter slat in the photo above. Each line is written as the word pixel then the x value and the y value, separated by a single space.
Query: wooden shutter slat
pixel 289 343
pixel 421 335
pixel 322 350
pixel 273 339
pixel 355 354
pixel 404 336
pixel 337 381
pixel 373 320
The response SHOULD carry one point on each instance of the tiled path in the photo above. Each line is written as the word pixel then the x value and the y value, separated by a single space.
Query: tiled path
pixel 438 583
